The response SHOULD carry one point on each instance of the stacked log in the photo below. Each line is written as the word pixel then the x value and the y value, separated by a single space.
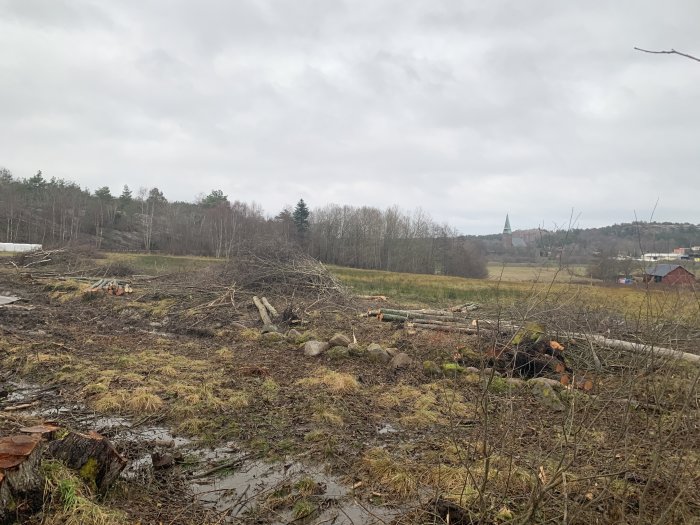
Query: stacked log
pixel 452 320
pixel 111 287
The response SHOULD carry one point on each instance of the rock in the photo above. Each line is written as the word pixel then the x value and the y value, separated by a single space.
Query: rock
pixel 164 460
pixel 392 351
pixel 400 360
pixel 238 326
pixel 488 371
pixel 268 328
pixel 338 352
pixel 272 337
pixel 377 353
pixel 293 335
pixel 431 369
pixel 547 397
pixel 472 378
pixel 339 340
pixel 314 348
pixel 452 368
pixel 515 382
pixel 556 385
pixel 356 350
pixel 472 370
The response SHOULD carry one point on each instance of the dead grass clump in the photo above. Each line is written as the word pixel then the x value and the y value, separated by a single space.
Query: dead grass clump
pixel 168 371
pixel 238 399
pixel 70 500
pixel 250 334
pixel 110 402
pixel 269 389
pixel 337 382
pixel 398 396
pixel 142 400
pixel 224 354
pixel 328 416
pixel 395 476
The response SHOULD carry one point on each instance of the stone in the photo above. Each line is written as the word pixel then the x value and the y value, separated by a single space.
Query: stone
pixel 556 385
pixel 314 348
pixel 452 368
pixel 356 350
pixel 377 353
pixel 392 351
pixel 238 326
pixel 515 382
pixel 272 337
pixel 338 352
pixel 472 370
pixel 431 369
pixel 547 397
pixel 292 335
pixel 339 339
pixel 488 371
pixel 400 360
pixel 268 328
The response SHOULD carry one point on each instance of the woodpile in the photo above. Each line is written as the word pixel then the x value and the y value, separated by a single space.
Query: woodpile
pixel 452 320
pixel 111 287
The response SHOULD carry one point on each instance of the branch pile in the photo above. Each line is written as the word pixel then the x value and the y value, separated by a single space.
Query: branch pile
pixel 283 271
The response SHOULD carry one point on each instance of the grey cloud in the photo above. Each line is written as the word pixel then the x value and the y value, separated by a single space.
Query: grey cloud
pixel 466 109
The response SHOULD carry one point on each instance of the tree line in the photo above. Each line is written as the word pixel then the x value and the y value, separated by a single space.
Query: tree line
pixel 56 212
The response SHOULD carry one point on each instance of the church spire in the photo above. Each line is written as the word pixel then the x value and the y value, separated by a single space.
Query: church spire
pixel 506 228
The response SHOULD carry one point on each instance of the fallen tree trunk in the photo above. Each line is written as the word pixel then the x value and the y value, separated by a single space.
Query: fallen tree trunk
pixel 442 328
pixel 638 348
pixel 264 316
pixel 91 454
pixel 270 308
pixel 21 482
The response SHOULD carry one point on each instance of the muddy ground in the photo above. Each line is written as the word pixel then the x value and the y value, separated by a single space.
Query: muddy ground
pixel 254 431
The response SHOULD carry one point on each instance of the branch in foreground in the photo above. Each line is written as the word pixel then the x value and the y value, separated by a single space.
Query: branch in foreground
pixel 669 52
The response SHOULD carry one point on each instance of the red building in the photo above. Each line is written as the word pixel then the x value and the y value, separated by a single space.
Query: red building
pixel 673 274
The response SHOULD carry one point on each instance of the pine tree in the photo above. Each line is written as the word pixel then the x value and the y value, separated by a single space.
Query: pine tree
pixel 301 219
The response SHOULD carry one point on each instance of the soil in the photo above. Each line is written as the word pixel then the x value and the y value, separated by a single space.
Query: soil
pixel 254 431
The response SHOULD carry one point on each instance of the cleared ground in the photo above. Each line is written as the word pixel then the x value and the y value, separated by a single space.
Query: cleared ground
pixel 412 445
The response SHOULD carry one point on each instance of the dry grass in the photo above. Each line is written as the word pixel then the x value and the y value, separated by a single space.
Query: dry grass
pixel 337 382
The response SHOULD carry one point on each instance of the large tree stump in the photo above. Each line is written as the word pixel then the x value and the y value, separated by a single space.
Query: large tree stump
pixel 21 482
pixel 92 455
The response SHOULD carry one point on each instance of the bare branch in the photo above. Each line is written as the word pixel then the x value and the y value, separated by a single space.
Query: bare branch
pixel 669 52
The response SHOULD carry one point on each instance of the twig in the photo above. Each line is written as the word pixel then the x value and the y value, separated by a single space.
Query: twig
pixel 669 52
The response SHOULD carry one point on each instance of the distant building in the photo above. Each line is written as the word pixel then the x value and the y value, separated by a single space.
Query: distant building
pixel 664 256
pixel 512 241
pixel 17 247
pixel 507 237
pixel 673 274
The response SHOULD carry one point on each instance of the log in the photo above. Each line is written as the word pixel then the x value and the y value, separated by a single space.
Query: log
pixel 21 482
pixel 92 455
pixel 262 311
pixel 423 314
pixel 440 328
pixel 639 348
pixel 270 308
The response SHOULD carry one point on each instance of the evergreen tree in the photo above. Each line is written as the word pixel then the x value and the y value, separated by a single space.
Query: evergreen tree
pixel 214 198
pixel 301 218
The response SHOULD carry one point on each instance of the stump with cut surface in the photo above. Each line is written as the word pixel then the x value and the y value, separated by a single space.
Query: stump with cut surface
pixel 92 455
pixel 21 482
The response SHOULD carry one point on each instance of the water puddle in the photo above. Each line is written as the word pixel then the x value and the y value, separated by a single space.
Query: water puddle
pixel 223 479
pixel 270 491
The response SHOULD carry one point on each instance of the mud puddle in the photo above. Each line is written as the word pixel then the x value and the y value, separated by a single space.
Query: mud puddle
pixel 223 479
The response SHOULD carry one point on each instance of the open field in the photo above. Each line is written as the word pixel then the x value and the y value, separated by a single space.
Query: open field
pixel 260 432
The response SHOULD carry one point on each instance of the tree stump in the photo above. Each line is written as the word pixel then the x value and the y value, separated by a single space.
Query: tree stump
pixel 21 482
pixel 92 455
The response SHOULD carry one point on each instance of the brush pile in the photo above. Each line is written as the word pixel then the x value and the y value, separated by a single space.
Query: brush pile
pixel 280 270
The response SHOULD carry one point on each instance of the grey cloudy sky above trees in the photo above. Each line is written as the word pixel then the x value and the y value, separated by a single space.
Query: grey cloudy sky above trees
pixel 467 109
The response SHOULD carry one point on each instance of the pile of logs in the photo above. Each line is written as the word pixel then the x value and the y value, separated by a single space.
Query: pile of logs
pixel 453 320
pixel 111 287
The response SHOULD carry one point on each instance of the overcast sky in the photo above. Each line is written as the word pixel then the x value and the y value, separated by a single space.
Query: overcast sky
pixel 467 109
